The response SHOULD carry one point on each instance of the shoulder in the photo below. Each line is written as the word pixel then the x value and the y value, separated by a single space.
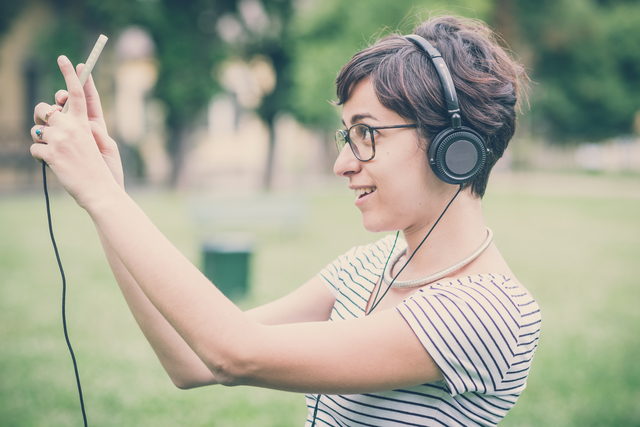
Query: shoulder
pixel 484 323
pixel 489 294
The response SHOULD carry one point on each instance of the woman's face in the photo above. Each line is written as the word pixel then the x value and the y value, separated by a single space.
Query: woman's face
pixel 397 189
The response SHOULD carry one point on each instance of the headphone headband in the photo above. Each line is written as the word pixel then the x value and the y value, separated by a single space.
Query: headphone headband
pixel 444 75
pixel 458 153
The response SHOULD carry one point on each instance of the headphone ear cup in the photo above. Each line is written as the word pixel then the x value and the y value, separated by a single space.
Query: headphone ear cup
pixel 457 155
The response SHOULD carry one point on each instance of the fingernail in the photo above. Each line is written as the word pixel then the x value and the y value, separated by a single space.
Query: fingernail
pixel 62 59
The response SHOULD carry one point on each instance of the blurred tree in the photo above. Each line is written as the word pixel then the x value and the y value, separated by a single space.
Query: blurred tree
pixel 587 63
pixel 275 47
pixel 193 39
pixel 264 33
pixel 188 50
pixel 8 11
pixel 584 54
pixel 305 42
pixel 327 34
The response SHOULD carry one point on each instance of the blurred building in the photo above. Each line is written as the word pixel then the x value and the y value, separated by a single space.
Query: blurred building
pixel 227 152
pixel 18 86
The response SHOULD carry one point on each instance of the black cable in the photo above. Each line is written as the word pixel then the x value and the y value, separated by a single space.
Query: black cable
pixel 375 304
pixel 315 411
pixel 64 292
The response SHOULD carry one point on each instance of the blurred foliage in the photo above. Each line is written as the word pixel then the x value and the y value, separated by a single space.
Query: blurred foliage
pixel 267 35
pixel 328 33
pixel 585 372
pixel 583 55
pixel 187 51
pixel 586 59
pixel 8 11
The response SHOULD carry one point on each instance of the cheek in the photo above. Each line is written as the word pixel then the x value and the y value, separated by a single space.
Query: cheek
pixel 409 187
pixel 418 171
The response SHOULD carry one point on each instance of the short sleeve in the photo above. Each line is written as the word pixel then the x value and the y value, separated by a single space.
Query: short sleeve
pixel 360 267
pixel 470 328
pixel 330 275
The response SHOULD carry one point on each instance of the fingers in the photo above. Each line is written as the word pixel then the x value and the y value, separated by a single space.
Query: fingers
pixel 37 133
pixel 109 150
pixel 94 107
pixel 107 146
pixel 38 147
pixel 44 112
pixel 76 101
pixel 61 97
pixel 89 87
pixel 103 140
pixel 36 151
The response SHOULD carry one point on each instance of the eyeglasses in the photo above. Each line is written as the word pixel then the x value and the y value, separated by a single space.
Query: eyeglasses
pixel 360 138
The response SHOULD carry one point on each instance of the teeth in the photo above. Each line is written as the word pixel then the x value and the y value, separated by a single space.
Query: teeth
pixel 362 191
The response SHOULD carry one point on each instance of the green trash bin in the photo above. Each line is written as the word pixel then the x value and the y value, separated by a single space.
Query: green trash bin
pixel 227 263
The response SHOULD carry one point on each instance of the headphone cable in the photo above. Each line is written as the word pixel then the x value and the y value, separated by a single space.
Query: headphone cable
pixel 64 292
pixel 374 303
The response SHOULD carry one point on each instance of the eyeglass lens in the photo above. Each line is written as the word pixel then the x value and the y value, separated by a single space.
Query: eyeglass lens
pixel 360 139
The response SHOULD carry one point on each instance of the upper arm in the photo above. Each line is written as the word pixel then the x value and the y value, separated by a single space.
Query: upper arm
pixel 311 302
pixel 374 353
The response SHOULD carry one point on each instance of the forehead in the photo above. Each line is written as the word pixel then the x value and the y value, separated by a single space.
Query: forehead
pixel 363 106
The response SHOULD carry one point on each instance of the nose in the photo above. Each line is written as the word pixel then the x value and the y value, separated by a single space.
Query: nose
pixel 346 164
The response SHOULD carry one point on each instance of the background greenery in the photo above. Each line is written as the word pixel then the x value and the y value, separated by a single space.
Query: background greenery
pixel 583 55
pixel 573 240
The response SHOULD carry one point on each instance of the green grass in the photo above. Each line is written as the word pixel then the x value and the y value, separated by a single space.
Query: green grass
pixel 573 240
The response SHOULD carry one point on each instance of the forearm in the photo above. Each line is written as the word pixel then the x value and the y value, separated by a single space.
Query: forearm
pixel 200 314
pixel 183 366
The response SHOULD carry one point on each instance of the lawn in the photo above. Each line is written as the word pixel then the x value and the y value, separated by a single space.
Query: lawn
pixel 573 240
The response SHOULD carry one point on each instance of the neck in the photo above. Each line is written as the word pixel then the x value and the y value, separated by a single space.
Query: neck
pixel 460 231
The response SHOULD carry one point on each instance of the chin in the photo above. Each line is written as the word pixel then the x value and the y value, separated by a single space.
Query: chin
pixel 376 225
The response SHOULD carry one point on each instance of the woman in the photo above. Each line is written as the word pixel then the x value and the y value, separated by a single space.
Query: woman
pixel 439 333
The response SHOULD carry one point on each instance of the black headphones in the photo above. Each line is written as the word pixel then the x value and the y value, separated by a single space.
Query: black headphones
pixel 458 153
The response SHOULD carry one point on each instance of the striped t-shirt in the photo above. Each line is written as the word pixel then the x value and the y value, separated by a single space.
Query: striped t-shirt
pixel 481 331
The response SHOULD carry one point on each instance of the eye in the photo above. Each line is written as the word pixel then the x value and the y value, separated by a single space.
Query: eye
pixel 362 133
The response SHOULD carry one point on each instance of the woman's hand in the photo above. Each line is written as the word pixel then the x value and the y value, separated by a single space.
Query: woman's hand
pixel 107 146
pixel 76 145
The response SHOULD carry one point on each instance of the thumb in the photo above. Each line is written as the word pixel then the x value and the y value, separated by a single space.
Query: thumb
pixel 61 97
pixel 109 150
pixel 105 143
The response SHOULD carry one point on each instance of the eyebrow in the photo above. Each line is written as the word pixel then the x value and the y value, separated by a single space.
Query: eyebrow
pixel 356 118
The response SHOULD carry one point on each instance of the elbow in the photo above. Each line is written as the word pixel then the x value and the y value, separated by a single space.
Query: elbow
pixel 189 380
pixel 184 384
pixel 229 372
pixel 235 366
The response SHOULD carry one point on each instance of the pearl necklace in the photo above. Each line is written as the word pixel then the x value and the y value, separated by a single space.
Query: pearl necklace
pixel 440 274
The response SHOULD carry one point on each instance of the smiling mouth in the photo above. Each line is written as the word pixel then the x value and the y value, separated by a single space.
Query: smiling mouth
pixel 361 192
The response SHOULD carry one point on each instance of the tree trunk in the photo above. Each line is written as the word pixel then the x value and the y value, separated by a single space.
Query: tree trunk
pixel 177 146
pixel 267 181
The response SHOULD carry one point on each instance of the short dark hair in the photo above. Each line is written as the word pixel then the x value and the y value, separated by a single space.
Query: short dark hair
pixel 489 83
